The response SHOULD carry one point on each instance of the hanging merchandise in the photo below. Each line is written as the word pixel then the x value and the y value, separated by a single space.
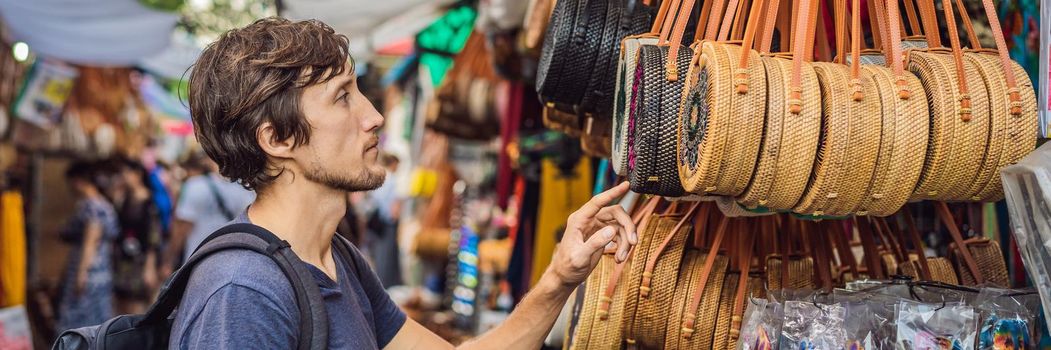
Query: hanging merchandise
pixel 536 19
pixel 464 105
pixel 443 39
pixel 1007 319
pixel 44 93
pixel 562 191
pixel 12 249
pixel 992 116
pixel 949 326
pixel 1028 188
pixel 585 34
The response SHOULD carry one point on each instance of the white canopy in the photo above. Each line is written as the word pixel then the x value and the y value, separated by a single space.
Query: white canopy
pixel 370 24
pixel 94 32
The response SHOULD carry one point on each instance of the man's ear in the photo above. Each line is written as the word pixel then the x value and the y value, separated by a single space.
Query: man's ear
pixel 268 141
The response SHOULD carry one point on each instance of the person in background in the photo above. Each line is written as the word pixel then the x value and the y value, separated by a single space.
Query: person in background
pixel 206 202
pixel 135 255
pixel 87 291
pixel 382 226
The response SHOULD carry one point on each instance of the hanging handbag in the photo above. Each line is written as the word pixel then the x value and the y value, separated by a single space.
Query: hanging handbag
pixel 572 43
pixel 658 278
pixel 788 269
pixel 1012 107
pixel 981 262
pixel 723 111
pixel 959 112
pixel 652 166
pixel 850 135
pixel 625 82
pixel 904 116
pixel 624 18
pixel 700 285
pixel 787 150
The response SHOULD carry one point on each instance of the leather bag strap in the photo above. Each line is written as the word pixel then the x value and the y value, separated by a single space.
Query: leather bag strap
pixel 947 219
pixel 690 317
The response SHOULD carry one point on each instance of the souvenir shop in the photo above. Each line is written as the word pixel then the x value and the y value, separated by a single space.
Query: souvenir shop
pixel 806 174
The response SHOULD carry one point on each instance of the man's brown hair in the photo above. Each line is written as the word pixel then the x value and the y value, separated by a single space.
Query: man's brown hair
pixel 257 74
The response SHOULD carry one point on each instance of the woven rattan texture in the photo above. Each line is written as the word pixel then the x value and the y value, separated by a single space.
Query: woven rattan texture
pixel 952 161
pixel 605 334
pixel 707 311
pixel 1016 138
pixel 556 41
pixel 990 260
pixel 655 169
pixel 623 95
pixel 734 125
pixel 787 150
pixel 652 314
pixel 721 337
pixel 800 273
pixel 633 278
pixel 849 144
pixel 593 291
pixel 903 143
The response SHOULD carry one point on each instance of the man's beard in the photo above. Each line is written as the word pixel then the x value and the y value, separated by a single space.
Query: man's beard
pixel 366 180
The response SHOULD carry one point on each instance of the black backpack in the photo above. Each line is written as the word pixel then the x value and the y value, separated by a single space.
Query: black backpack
pixel 151 330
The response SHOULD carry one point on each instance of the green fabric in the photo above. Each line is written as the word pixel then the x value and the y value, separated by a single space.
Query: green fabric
pixel 443 39
pixel 163 5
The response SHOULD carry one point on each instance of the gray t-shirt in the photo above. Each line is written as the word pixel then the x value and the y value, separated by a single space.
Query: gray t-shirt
pixel 238 299
pixel 197 205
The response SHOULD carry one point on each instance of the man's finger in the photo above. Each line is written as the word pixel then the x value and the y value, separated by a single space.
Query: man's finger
pixel 603 199
pixel 624 220
pixel 599 240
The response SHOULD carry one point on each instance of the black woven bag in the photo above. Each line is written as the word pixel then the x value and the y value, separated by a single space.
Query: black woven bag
pixel 556 43
pixel 624 18
pixel 586 44
pixel 655 170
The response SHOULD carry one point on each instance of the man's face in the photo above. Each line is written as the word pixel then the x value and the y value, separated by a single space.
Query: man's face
pixel 344 145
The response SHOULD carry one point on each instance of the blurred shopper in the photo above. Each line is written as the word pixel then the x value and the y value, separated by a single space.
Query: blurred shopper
pixel 135 251
pixel 87 291
pixel 382 224
pixel 206 202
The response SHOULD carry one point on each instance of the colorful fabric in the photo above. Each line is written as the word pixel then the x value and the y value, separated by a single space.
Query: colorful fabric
pixel 560 195
pixel 12 249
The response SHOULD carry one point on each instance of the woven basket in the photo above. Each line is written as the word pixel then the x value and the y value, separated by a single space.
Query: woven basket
pixel 952 162
pixel 652 169
pixel 647 239
pixel 800 273
pixel 655 301
pixel 902 145
pixel 786 152
pixel 941 270
pixel 848 147
pixel 730 208
pixel 592 293
pixel 726 126
pixel 1011 137
pixel 605 332
pixel 622 96
pixel 990 260
pixel 707 312
pixel 721 338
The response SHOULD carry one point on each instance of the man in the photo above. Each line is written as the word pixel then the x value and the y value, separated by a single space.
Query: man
pixel 276 105
pixel 206 202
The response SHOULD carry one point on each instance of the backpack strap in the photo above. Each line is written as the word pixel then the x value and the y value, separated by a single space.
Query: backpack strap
pixel 313 326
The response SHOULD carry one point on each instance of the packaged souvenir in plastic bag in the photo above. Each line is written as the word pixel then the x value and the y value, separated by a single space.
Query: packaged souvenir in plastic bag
pixel 762 325
pixel 810 325
pixel 1007 319
pixel 870 324
pixel 948 326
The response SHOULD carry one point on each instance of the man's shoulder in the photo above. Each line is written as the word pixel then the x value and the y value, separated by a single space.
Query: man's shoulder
pixel 240 268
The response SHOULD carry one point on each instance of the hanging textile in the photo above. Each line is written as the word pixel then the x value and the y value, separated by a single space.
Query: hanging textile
pixel 12 249
pixel 560 195
pixel 512 118
pixel 443 39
